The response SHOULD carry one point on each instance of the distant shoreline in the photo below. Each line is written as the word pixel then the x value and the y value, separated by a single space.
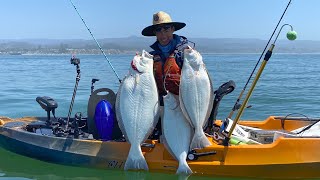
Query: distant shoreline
pixel 2 55
pixel 131 45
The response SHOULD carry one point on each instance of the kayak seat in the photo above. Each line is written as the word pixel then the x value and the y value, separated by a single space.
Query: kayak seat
pixel 95 97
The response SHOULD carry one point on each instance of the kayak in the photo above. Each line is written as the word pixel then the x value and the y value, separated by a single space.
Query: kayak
pixel 270 148
pixel 285 157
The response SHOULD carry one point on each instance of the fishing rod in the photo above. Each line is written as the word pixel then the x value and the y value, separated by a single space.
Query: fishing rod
pixel 237 105
pixel 105 56
pixel 291 35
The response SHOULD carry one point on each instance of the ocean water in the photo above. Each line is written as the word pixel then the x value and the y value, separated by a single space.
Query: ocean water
pixel 289 84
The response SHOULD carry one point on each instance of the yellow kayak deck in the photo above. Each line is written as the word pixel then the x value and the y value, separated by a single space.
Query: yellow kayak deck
pixel 286 158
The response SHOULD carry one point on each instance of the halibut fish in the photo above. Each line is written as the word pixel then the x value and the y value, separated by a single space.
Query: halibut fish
pixel 177 132
pixel 137 108
pixel 196 95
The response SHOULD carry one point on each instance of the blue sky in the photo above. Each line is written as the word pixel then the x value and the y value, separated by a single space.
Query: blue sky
pixel 56 19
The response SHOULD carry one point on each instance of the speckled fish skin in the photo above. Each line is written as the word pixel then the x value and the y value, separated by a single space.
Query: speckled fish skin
pixel 196 96
pixel 177 132
pixel 137 108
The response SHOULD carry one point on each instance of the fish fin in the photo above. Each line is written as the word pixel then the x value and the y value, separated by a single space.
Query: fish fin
pixel 135 159
pixel 155 121
pixel 183 108
pixel 166 145
pixel 118 111
pixel 211 99
pixel 199 140
pixel 183 168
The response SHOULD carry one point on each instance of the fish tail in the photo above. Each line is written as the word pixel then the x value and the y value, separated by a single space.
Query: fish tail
pixel 183 168
pixel 135 159
pixel 199 140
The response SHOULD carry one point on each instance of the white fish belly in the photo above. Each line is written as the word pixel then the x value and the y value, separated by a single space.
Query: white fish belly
pixel 177 132
pixel 137 112
pixel 138 107
pixel 195 92
pixel 196 101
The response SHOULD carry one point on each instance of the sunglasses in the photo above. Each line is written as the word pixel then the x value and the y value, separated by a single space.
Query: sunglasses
pixel 165 28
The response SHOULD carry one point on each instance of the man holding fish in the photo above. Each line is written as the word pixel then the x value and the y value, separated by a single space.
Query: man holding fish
pixel 168 59
pixel 185 94
pixel 167 56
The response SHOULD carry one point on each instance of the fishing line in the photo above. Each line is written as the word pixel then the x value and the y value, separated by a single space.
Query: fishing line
pixel 303 129
pixel 105 56
pixel 235 107
pixel 287 116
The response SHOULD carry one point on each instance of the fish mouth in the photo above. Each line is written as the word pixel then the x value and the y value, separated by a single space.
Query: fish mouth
pixel 134 66
pixel 141 63
pixel 193 57
pixel 191 53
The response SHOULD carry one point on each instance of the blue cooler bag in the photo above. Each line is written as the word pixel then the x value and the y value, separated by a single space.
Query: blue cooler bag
pixel 104 119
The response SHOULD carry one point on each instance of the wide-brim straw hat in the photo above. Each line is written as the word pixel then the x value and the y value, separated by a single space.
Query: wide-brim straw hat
pixel 160 18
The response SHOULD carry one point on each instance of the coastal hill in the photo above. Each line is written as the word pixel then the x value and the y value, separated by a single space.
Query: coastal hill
pixel 133 44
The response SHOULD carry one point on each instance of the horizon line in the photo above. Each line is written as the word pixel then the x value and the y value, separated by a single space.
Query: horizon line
pixel 17 39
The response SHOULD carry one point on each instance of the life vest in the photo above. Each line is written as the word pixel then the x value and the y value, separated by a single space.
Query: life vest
pixel 167 75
